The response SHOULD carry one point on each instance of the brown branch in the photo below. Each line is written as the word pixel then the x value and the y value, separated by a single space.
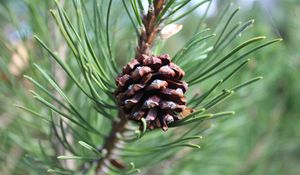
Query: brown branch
pixel 150 29
pixel 110 144
pixel 146 38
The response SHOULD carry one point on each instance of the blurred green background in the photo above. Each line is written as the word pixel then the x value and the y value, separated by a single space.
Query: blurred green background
pixel 263 138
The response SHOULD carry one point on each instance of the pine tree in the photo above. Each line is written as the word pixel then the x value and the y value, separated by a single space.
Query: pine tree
pixel 87 127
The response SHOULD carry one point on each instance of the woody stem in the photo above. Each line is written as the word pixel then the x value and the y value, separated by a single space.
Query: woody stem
pixel 150 28
pixel 146 38
pixel 110 144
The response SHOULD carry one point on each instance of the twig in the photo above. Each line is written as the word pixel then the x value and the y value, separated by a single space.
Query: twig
pixel 150 29
pixel 110 144
pixel 146 38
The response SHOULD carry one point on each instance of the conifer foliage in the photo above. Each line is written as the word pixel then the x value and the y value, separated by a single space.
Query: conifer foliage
pixel 100 126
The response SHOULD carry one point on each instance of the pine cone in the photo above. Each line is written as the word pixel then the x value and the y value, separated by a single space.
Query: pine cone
pixel 150 87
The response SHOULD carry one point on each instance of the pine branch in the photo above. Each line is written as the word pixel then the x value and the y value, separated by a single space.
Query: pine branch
pixel 150 27
pixel 147 35
pixel 111 142
pixel 91 72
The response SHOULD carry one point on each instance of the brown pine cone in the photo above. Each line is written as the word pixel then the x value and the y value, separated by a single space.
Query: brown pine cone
pixel 150 87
